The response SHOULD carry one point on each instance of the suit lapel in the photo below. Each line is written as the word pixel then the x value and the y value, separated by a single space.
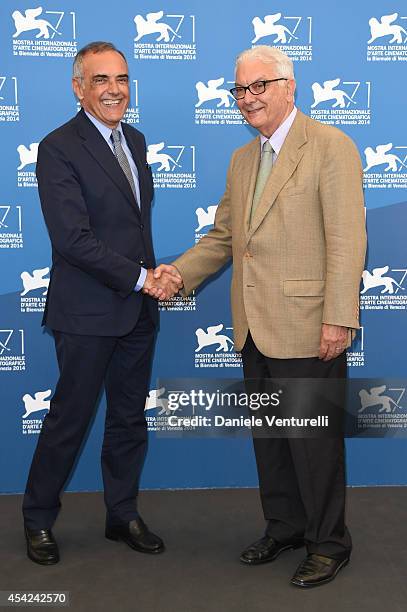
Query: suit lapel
pixel 98 148
pixel 287 161
pixel 251 163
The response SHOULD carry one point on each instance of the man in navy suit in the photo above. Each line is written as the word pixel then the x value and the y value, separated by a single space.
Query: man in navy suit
pixel 96 190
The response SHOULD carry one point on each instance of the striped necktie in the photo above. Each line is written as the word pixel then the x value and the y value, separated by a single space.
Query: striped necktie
pixel 265 167
pixel 122 159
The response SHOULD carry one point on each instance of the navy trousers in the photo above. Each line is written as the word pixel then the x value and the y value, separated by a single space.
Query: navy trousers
pixel 87 363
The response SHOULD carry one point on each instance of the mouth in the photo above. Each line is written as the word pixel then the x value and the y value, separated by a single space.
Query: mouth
pixel 108 102
pixel 252 111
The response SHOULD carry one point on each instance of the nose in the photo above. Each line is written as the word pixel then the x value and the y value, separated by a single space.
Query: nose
pixel 249 97
pixel 113 86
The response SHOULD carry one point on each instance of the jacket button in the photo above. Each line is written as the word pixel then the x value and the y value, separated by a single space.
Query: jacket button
pixel 141 262
pixel 141 227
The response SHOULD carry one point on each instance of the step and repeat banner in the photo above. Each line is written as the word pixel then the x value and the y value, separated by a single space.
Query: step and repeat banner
pixel 351 69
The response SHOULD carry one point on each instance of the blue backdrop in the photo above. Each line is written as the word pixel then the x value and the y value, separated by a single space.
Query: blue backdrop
pixel 350 66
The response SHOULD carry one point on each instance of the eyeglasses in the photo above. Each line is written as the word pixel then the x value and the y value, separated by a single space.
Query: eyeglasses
pixel 256 88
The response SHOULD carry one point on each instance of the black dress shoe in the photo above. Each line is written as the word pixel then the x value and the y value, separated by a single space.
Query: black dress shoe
pixel 137 535
pixel 267 549
pixel 317 569
pixel 41 546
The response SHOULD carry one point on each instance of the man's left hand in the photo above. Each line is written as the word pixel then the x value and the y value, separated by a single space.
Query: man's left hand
pixel 334 339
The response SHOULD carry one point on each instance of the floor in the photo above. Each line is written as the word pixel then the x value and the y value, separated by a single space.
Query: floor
pixel 204 531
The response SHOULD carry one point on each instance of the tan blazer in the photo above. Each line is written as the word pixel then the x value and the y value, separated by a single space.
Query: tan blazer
pixel 300 263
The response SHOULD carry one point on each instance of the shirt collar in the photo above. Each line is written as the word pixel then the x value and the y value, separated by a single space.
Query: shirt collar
pixel 277 139
pixel 103 129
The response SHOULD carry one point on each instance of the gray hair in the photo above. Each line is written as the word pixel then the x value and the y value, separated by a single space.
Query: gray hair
pixel 269 55
pixel 98 46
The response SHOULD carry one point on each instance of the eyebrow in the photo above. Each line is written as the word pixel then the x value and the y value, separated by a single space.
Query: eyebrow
pixel 260 78
pixel 106 76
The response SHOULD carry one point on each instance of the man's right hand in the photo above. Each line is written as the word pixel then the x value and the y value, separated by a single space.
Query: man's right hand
pixel 163 282
pixel 169 269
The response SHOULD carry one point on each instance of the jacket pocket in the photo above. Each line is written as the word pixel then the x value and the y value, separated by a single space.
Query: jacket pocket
pixel 292 191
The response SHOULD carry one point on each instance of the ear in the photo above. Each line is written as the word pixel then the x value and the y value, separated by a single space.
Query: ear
pixel 290 89
pixel 78 88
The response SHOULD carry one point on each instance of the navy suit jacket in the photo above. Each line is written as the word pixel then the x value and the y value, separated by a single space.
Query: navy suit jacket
pixel 100 238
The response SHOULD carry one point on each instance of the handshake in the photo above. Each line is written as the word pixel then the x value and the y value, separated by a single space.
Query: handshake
pixel 163 282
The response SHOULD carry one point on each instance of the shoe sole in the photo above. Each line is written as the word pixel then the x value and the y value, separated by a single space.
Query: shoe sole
pixel 316 584
pixel 269 559
pixel 118 538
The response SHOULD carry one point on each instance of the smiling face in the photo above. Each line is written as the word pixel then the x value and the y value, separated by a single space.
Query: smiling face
pixel 266 111
pixel 103 90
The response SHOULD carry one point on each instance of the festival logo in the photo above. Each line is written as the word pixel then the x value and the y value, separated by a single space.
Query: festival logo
pixel 384 289
pixel 12 350
pixel 37 283
pixel 179 304
pixel 356 353
pixel 215 104
pixel 38 404
pixel 378 400
pixel 49 33
pixel 381 408
pixel 386 167
pixel 11 227
pixel 388 39
pixel 214 348
pixel 339 102
pixel 158 409
pixel 27 158
pixel 164 37
pixel 173 166
pixel 205 219
pixel 293 35
pixel 9 107
pixel 132 114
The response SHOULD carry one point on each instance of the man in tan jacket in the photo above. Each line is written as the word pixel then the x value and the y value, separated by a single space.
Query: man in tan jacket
pixel 292 219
